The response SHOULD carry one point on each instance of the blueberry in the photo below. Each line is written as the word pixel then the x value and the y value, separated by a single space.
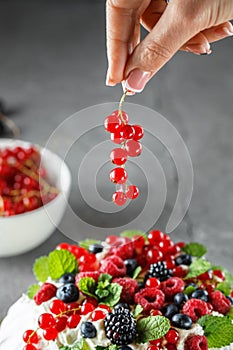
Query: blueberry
pixel 68 293
pixel 231 299
pixel 67 278
pixel 169 310
pixel 95 248
pixel 200 294
pixel 88 330
pixel 130 265
pixel 184 259
pixel 141 284
pixel 180 299
pixel 182 321
pixel 125 347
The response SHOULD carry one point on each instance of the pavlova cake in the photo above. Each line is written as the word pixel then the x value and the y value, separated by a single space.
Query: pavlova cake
pixel 133 292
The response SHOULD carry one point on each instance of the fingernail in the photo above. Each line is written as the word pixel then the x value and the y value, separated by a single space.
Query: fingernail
pixel 198 49
pixel 109 82
pixel 224 31
pixel 129 93
pixel 137 80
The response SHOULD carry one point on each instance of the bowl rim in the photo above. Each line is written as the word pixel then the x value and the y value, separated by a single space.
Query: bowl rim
pixel 61 193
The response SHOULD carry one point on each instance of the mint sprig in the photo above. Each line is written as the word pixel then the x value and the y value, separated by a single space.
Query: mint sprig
pixel 189 289
pixel 230 313
pixel 55 265
pixel 137 272
pixel 87 285
pixel 224 287
pixel 152 328
pixel 133 233
pixel 80 345
pixel 138 309
pixel 198 267
pixel 32 290
pixel 218 330
pixel 195 249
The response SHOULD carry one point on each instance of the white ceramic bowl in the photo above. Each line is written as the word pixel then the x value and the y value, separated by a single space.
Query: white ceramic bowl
pixel 23 232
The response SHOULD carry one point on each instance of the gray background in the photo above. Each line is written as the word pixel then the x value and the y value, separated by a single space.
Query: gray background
pixel 53 63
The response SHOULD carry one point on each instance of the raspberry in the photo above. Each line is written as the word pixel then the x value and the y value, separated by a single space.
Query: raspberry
pixel 113 265
pixel 150 298
pixel 46 292
pixel 129 288
pixel 220 302
pixel 124 251
pixel 195 308
pixel 196 342
pixel 93 274
pixel 172 286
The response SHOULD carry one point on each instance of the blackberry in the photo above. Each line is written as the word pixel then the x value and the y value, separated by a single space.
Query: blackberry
pixel 120 326
pixel 160 271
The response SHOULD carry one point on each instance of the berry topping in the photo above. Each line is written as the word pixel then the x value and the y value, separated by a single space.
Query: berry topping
pixel 170 310
pixel 114 266
pixel 29 347
pixel 180 298
pixel 98 315
pixel 46 321
pixel 150 298
pixel 95 248
pixel 57 307
pixel 88 330
pixel 196 342
pixel 159 270
pixel 152 282
pixel 50 333
pixel 195 308
pixel 93 274
pixel 30 336
pixel 61 323
pixel 219 302
pixel 131 265
pixel 120 326
pixel 184 259
pixel 200 294
pixel 182 321
pixel 172 286
pixel 73 320
pixel 172 336
pixel 68 293
pixel 129 288
pixel 46 292
pixel 67 278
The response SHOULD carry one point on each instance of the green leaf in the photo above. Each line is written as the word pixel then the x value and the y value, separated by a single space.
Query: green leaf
pixel 198 267
pixel 228 275
pixel 87 286
pixel 136 272
pixel 189 289
pixel 224 287
pixel 230 313
pixel 104 280
pixel 113 347
pixel 218 330
pixel 133 233
pixel 138 309
pixel 152 328
pixel 60 262
pixel 81 345
pixel 102 293
pixel 114 295
pixel 41 269
pixel 87 242
pixel 32 290
pixel 195 249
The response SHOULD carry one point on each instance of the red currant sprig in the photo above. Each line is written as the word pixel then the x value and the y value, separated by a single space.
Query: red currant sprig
pixel 128 136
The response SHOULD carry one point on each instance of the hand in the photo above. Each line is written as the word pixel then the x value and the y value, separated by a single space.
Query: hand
pixel 188 25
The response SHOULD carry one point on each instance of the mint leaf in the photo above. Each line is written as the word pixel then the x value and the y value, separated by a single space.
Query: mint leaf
pixel 102 293
pixel 218 330
pixel 87 286
pixel 189 289
pixel 228 275
pixel 138 309
pixel 60 262
pixel 81 345
pixel 41 269
pixel 113 347
pixel 230 313
pixel 195 249
pixel 136 272
pixel 104 280
pixel 133 233
pixel 114 295
pixel 198 267
pixel 152 328
pixel 224 287
pixel 87 242
pixel 32 290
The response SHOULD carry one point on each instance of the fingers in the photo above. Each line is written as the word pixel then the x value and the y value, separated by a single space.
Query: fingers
pixel 122 35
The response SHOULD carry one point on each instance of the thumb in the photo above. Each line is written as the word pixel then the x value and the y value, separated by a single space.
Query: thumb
pixel 166 38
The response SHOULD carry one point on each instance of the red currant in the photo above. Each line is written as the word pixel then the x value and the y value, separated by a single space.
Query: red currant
pixel 155 313
pixel 208 275
pixel 117 137
pixel 61 323
pixel 118 175
pixel 86 308
pixel 154 255
pixel 127 132
pixel 132 192
pixel 154 347
pixel 73 308
pixel 113 123
pixel 73 321
pixel 155 236
pixel 124 116
pixel 50 333
pixel 138 242
pixel 30 336
pixel 119 198
pixel 172 336
pixel 156 342
pixel 179 271
pixel 29 347
pixel 118 156
pixel 138 132
pixel 63 245
pixel 133 148
pixel 152 282
pixel 46 321
pixel 220 274
pixel 57 307
pixel 105 307
pixel 98 315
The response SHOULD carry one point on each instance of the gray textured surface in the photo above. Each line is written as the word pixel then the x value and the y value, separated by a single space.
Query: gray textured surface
pixel 53 63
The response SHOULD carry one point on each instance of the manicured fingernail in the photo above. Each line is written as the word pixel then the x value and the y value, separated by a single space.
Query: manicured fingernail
pixel 198 49
pixel 224 31
pixel 137 80
pixel 129 93
pixel 109 82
